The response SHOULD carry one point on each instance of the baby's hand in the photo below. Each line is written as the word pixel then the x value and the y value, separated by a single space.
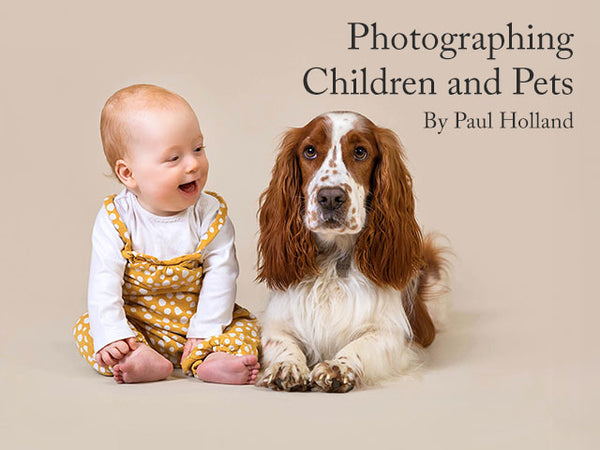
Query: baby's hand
pixel 110 354
pixel 189 346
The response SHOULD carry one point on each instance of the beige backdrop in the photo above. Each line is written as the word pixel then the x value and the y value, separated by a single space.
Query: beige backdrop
pixel 518 364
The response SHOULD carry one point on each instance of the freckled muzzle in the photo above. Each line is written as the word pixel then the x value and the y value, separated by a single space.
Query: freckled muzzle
pixel 332 207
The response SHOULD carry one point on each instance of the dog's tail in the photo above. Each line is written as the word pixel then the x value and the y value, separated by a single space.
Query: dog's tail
pixel 427 308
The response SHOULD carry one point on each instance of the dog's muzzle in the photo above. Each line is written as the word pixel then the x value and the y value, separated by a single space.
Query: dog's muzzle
pixel 333 204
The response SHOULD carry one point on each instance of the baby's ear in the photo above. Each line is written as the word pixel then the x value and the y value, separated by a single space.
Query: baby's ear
pixel 124 174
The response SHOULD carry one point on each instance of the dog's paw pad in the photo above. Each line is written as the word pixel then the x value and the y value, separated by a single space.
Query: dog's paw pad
pixel 285 376
pixel 332 376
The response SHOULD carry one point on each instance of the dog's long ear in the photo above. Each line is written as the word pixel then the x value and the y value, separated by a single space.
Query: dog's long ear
pixel 389 248
pixel 286 249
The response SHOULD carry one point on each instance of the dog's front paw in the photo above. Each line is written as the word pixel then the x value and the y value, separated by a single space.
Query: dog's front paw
pixel 332 376
pixel 285 376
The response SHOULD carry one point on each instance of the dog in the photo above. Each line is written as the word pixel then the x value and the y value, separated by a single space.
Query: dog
pixel 353 279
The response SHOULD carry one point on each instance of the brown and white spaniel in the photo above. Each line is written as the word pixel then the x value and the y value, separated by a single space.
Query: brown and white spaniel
pixel 352 276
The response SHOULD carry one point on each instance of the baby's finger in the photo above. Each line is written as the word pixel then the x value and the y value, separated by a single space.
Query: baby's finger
pixel 108 360
pixel 115 352
pixel 122 347
pixel 132 343
pixel 187 348
pixel 100 359
pixel 184 354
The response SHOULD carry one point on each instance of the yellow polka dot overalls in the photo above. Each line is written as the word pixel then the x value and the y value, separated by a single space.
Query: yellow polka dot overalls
pixel 160 297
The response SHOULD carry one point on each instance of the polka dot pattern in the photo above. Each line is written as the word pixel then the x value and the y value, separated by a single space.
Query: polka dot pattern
pixel 85 343
pixel 160 298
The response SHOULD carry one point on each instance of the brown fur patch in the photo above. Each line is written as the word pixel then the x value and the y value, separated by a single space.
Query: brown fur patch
pixel 316 133
pixel 283 236
pixel 389 249
pixel 434 264
pixel 363 135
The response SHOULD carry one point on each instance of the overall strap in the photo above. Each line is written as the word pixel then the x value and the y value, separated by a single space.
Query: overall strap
pixel 217 224
pixel 113 215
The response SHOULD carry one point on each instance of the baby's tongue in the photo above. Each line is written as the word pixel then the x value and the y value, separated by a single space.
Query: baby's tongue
pixel 187 187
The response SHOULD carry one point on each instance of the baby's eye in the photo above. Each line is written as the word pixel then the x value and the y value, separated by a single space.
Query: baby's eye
pixel 199 149
pixel 173 158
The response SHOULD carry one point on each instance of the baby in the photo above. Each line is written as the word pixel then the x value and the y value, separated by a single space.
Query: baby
pixel 163 272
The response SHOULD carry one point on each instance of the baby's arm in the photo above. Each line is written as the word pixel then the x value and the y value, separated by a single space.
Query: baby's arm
pixel 108 323
pixel 217 296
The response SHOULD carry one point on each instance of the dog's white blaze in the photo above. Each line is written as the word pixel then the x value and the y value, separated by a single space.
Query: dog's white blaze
pixel 336 174
pixel 342 123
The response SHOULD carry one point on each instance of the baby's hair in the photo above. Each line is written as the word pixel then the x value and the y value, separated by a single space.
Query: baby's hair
pixel 114 126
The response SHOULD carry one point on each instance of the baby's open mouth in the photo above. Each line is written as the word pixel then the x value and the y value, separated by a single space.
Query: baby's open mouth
pixel 188 188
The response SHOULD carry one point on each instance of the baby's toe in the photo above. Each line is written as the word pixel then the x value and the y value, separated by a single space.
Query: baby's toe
pixel 250 361
pixel 117 374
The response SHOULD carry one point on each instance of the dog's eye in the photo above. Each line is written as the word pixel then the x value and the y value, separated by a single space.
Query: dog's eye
pixel 360 153
pixel 310 152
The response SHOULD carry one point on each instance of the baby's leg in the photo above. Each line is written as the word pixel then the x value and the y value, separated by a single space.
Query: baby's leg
pixel 231 358
pixel 141 364
pixel 85 345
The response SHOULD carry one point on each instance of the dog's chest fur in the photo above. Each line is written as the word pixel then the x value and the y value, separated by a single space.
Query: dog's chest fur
pixel 332 309
pixel 327 312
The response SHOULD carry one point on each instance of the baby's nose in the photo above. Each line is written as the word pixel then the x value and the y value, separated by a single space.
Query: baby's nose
pixel 193 165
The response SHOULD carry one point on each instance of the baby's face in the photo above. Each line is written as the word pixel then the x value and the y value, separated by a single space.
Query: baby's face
pixel 167 159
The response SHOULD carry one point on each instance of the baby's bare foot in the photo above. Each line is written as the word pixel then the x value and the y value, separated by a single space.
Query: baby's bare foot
pixel 225 368
pixel 141 365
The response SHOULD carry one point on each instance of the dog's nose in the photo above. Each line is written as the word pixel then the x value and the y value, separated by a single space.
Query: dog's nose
pixel 331 198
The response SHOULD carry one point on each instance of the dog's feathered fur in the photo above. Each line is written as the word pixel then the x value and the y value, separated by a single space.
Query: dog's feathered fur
pixel 351 273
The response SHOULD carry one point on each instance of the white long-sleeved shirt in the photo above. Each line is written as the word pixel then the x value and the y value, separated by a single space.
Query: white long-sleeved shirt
pixel 164 238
